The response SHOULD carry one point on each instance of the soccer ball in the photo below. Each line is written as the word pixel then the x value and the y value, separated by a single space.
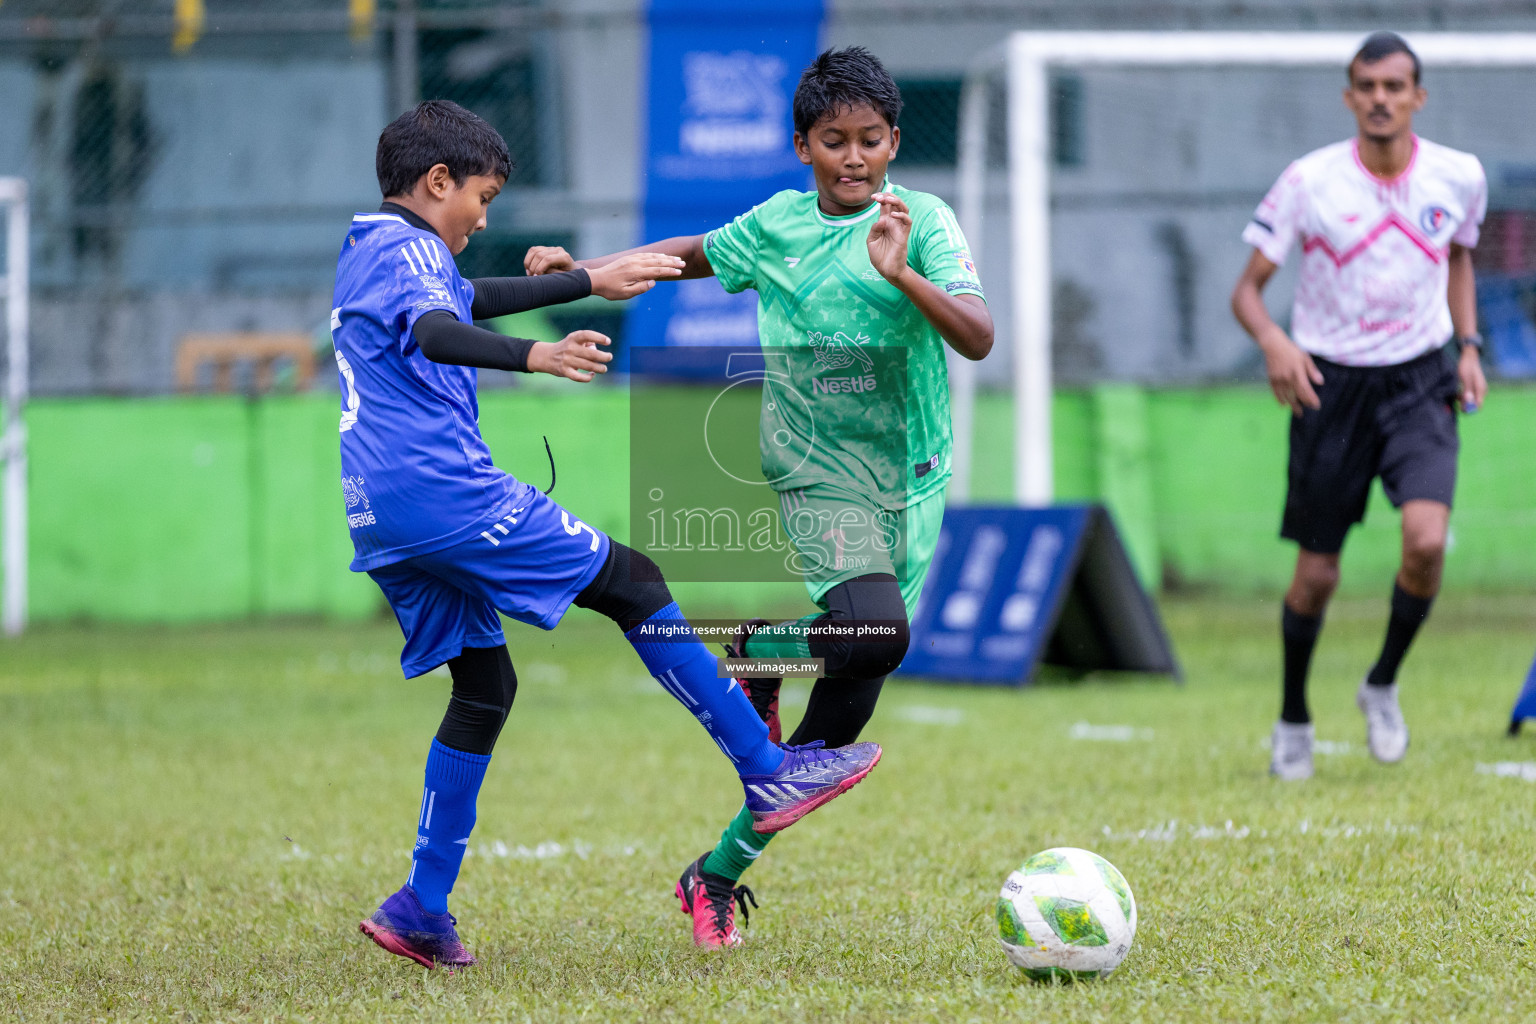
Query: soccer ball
pixel 1066 913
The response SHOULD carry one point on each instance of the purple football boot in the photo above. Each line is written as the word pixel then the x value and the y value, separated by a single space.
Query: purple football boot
pixel 810 776
pixel 405 929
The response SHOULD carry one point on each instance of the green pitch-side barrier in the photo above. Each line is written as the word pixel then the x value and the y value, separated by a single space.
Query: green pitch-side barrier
pixel 206 508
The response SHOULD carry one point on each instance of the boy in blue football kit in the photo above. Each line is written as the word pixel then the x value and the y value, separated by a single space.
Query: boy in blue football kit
pixel 452 540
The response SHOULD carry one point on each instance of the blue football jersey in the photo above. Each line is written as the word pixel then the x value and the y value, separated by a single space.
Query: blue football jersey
pixel 416 474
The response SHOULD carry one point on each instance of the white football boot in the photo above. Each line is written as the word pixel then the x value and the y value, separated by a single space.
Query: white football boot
pixel 1386 734
pixel 1290 746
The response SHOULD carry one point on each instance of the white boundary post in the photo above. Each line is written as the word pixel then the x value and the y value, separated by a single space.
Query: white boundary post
pixel 1030 56
pixel 970 193
pixel 1029 203
pixel 13 441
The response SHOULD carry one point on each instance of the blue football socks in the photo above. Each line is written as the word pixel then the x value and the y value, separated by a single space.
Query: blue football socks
pixel 447 818
pixel 673 653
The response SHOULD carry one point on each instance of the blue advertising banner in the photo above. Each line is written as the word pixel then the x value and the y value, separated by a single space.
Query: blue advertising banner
pixel 719 140
pixel 1011 588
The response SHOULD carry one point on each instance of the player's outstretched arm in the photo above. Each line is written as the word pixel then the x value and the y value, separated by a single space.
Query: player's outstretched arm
pixel 575 357
pixel 549 259
pixel 961 320
pixel 635 274
pixel 1292 373
pixel 443 338
pixel 503 296
pixel 622 279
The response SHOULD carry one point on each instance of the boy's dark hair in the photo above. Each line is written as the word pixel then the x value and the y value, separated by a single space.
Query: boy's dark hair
pixel 1379 46
pixel 438 132
pixel 841 80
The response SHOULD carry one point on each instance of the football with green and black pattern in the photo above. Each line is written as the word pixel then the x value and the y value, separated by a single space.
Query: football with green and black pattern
pixel 1066 913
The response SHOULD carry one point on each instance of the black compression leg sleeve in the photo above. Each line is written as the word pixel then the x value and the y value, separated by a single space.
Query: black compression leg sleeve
pixel 842 703
pixel 628 590
pixel 838 710
pixel 484 686
pixel 874 602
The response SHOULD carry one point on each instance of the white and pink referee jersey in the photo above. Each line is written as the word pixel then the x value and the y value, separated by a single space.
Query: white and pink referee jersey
pixel 1374 253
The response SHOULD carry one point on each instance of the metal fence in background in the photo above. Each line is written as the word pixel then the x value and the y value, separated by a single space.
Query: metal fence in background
pixel 192 161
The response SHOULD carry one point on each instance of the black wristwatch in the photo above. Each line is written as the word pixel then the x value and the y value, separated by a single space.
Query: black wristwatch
pixel 1463 340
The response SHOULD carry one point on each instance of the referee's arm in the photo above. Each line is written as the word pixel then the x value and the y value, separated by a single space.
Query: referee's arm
pixel 1461 296
pixel 1291 371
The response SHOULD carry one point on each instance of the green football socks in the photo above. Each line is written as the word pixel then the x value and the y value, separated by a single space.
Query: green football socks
pixel 739 846
pixel 786 640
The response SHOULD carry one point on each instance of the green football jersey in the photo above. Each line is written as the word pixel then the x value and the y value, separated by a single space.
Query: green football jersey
pixel 855 391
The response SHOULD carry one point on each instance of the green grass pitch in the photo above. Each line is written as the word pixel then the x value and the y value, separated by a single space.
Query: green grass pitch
pixel 193 821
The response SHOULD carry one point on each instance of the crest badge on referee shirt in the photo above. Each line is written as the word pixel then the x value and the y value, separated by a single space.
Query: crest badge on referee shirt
pixel 1434 218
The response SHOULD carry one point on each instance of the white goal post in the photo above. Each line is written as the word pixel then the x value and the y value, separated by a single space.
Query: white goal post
pixel 13 437
pixel 1026 59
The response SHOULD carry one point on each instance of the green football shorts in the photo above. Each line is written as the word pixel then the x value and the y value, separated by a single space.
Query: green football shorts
pixel 839 535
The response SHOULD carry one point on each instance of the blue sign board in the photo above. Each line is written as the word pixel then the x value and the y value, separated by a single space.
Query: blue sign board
pixel 1525 704
pixel 719 140
pixel 1011 588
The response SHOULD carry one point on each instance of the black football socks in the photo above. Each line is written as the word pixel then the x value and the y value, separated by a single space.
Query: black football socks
pixel 1408 614
pixel 1298 636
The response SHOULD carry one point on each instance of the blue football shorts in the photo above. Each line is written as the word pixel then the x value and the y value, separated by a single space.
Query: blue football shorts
pixel 529 565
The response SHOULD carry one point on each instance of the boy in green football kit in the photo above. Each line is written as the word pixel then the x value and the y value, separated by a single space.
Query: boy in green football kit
pixel 859 284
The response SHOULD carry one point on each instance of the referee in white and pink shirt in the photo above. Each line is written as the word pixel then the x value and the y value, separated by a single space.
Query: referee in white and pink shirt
pixel 1386 223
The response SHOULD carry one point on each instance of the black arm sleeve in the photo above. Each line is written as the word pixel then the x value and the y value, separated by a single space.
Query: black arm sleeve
pixel 443 338
pixel 499 296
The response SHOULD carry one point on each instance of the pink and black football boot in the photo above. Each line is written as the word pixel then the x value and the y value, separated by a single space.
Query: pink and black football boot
pixel 712 901
pixel 762 692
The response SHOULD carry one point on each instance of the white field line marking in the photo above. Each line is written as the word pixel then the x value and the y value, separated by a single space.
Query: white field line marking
pixel 1108 733
pixel 1328 748
pixel 1173 831
pixel 547 850
pixel 548 672
pixel 356 663
pixel 924 714
pixel 1523 770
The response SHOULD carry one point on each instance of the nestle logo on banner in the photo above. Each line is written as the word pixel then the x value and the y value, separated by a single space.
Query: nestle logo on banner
pixel 735 104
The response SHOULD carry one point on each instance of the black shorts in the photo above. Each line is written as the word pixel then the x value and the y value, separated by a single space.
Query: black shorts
pixel 1396 422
